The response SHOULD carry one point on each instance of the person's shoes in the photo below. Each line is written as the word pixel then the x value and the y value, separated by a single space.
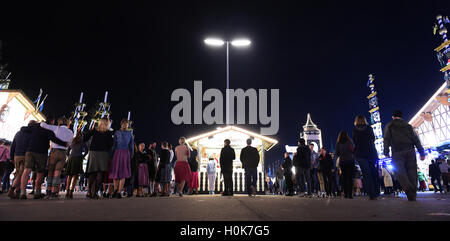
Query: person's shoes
pixel 23 197
pixel 289 194
pixel 39 196
pixel 253 190
pixel 32 192
pixel 180 194
pixel 67 195
pixel 71 194
pixel 154 194
pixel 301 194
pixel 11 194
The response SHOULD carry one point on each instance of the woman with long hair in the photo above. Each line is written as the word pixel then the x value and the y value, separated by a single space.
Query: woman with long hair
pixel 76 152
pixel 344 151
pixel 182 169
pixel 123 149
pixel 99 155
pixel 366 156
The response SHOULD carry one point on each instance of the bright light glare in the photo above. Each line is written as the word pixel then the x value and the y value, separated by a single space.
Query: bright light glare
pixel 214 42
pixel 241 42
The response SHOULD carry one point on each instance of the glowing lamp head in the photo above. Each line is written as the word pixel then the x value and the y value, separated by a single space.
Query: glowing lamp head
pixel 214 42
pixel 241 42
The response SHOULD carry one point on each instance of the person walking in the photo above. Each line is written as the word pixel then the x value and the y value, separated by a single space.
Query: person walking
pixel 123 149
pixel 443 168
pixel 302 162
pixel 315 183
pixel 227 155
pixel 57 156
pixel 345 153
pixel 366 155
pixel 326 171
pixel 287 166
pixel 36 157
pixel 435 175
pixel 280 179
pixel 401 136
pixel 250 160
pixel 99 154
pixel 77 151
pixel 211 172
pixel 17 153
pixel 182 169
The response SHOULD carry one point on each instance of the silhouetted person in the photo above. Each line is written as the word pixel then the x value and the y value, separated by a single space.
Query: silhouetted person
pixel 400 135
pixel 227 155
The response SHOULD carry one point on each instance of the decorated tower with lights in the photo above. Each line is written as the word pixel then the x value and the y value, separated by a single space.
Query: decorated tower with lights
pixel 102 112
pixel 78 116
pixel 5 76
pixel 312 134
pixel 375 119
pixel 443 51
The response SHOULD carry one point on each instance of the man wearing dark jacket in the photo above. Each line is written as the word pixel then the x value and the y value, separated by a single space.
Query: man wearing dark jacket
pixel 287 166
pixel 36 157
pixel 302 163
pixel 250 160
pixel 435 174
pixel 400 135
pixel 227 155
pixel 18 149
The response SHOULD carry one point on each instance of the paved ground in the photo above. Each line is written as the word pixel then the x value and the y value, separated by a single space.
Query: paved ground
pixel 428 206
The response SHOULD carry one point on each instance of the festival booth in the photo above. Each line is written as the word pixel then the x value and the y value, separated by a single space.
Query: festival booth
pixel 16 110
pixel 432 125
pixel 210 144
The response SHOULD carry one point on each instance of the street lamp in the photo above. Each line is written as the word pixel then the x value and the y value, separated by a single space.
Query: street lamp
pixel 236 43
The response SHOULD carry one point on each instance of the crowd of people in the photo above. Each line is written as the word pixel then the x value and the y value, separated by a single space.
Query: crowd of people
pixel 354 168
pixel 119 166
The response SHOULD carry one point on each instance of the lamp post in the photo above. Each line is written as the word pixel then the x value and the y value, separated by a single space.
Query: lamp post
pixel 218 43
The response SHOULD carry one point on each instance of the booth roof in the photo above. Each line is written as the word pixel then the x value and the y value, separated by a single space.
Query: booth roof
pixel 268 143
pixel 29 105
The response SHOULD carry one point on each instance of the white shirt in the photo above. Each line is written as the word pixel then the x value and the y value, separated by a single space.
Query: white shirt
pixel 171 155
pixel 61 132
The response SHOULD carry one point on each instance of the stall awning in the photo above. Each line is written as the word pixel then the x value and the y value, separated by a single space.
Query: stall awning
pixel 268 143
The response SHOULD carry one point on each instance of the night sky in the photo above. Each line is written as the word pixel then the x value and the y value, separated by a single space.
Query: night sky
pixel 317 53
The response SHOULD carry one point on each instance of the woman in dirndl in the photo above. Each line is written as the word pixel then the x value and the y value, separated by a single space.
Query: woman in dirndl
pixel 99 155
pixel 142 161
pixel 123 149
pixel 182 169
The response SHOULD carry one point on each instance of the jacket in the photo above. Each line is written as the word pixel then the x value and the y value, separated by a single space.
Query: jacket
pixel 164 158
pixel 249 157
pixel 345 151
pixel 211 167
pixel 20 143
pixel 364 141
pixel 303 157
pixel 40 139
pixel 287 166
pixel 227 155
pixel 401 136
pixel 434 170
pixel 386 177
pixel 101 141
pixel 325 163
